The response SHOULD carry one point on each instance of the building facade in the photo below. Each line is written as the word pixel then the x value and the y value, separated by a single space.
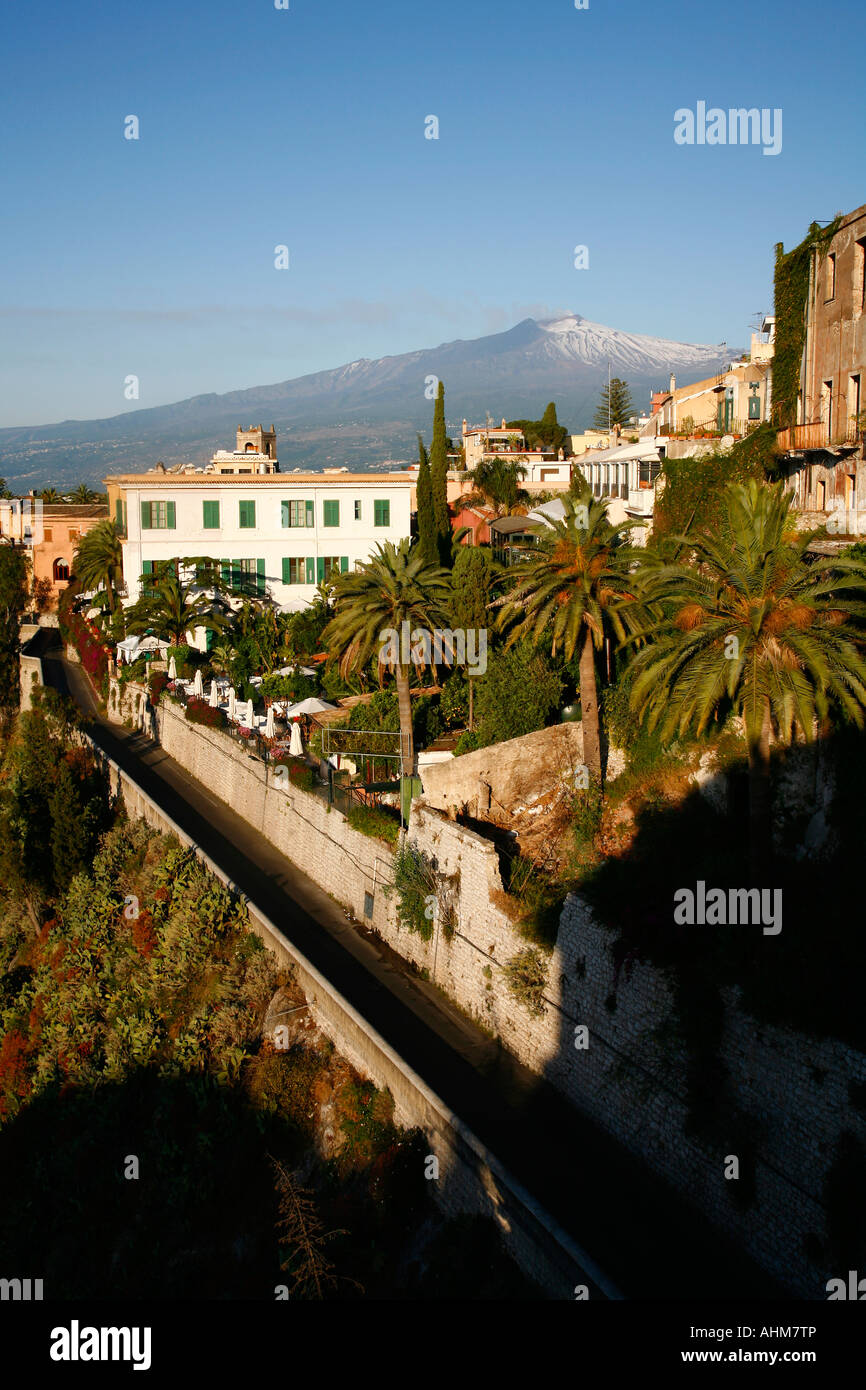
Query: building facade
pixel 270 533
pixel 823 452
pixel 49 531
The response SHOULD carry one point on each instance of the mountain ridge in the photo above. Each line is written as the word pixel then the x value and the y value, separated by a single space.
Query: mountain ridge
pixel 369 409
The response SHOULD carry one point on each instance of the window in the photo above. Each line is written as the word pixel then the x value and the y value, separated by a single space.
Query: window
pixel 298 513
pixel 295 570
pixel 158 516
pixel 381 512
pixel 330 513
pixel 827 411
pixel 860 272
pixel 831 275
pixel 211 515
pixel 48 534
pixel 327 564
pixel 246 515
pixel 357 511
pixel 120 516
pixel 60 569
pixel 148 577
pixel 75 536
pixel 207 574
pixel 854 406
pixel 754 407
pixel 249 576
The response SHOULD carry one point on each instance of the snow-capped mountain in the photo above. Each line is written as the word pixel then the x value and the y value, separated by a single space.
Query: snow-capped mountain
pixel 369 410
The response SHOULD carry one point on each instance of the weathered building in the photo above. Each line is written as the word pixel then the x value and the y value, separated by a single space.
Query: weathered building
pixel 823 451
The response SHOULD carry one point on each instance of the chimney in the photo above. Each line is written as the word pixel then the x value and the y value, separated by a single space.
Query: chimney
pixel 673 383
pixel 503 423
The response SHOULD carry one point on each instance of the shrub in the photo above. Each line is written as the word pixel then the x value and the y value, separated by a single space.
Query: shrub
pixel 134 672
pixel 468 741
pixel 454 701
pixel 373 821
pixel 294 687
pixel 198 711
pixel 517 696
pixel 158 682
pixel 415 882
pixel 526 977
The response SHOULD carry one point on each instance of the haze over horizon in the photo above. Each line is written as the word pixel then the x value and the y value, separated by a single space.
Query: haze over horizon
pixel 306 128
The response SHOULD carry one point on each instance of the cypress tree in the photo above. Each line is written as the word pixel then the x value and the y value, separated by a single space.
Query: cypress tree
pixel 427 535
pixel 439 479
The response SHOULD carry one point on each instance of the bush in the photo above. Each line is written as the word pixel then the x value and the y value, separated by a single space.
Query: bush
pixel 300 773
pixel 198 711
pixel 158 682
pixel 180 654
pixel 134 672
pixel 90 646
pixel 517 696
pixel 526 977
pixel 415 882
pixel 294 688
pixel 468 741
pixel 373 821
pixel 454 701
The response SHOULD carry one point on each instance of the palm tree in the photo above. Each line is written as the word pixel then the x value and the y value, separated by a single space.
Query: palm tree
pixel 83 494
pixel 98 561
pixel 496 484
pixel 753 625
pixel 50 494
pixel 574 585
pixel 171 607
pixel 395 586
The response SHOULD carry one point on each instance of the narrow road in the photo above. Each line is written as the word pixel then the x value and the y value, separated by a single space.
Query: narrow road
pixel 640 1233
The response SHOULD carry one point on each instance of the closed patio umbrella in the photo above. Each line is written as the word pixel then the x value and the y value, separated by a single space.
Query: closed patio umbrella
pixel 269 723
pixel 214 695
pixel 296 747
pixel 172 670
pixel 198 683
pixel 232 702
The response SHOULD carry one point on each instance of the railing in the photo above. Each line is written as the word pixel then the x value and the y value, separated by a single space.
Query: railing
pixel 817 436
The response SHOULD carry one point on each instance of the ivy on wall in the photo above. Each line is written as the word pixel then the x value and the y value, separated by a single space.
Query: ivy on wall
pixel 791 289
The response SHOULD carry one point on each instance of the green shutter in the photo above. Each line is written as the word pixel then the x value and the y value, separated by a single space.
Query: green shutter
pixel 320 568
pixel 331 513
pixel 211 515
pixel 344 563
pixel 311 513
pixel 260 577
pixel 286 570
pixel 145 516
pixel 171 520
pixel 284 513
pixel 225 574
pixel 311 570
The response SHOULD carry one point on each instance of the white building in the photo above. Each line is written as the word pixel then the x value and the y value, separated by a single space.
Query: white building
pixel 271 533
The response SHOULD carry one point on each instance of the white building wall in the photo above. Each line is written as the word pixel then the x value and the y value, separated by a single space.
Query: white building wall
pixel 353 539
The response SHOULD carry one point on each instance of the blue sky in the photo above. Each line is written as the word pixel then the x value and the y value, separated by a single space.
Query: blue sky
pixel 305 127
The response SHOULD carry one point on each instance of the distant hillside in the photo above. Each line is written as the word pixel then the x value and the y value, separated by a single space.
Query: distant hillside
pixel 367 411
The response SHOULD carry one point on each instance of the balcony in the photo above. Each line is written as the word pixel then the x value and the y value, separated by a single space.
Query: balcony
pixel 803 438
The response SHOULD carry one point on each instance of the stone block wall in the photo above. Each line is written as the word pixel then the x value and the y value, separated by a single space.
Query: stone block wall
pixel 792 1090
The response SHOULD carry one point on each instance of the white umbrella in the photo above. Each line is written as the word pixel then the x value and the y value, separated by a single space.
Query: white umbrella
pixel 198 683
pixel 232 702
pixel 296 747
pixel 312 705
pixel 172 670
pixel 142 710
pixel 214 695
pixel 247 717
pixel 269 723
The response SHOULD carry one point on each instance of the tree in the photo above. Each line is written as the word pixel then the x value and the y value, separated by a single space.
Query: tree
pixel 395 586
pixel 50 494
pixel 439 479
pixel 496 484
pixel 615 406
pixel 517 695
pixel 428 540
pixel 4 490
pixel 98 561
pixel 574 585
pixel 753 626
pixel 546 433
pixel 84 494
pixel 171 607
pixel 14 597
pixel 471 579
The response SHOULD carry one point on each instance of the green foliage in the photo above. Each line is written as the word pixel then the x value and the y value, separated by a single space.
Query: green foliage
pixel 518 695
pixel 454 700
pixel 439 479
pixel 615 406
pixel 427 534
pixel 14 591
pixel 98 561
pixel 374 821
pixel 791 289
pixel 526 978
pixel 692 495
pixel 415 883
pixel 546 433
pixel 472 580
pixel 133 671
pixel 468 742
pixel 294 687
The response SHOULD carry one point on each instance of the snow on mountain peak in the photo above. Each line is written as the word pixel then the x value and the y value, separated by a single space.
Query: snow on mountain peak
pixel 580 339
